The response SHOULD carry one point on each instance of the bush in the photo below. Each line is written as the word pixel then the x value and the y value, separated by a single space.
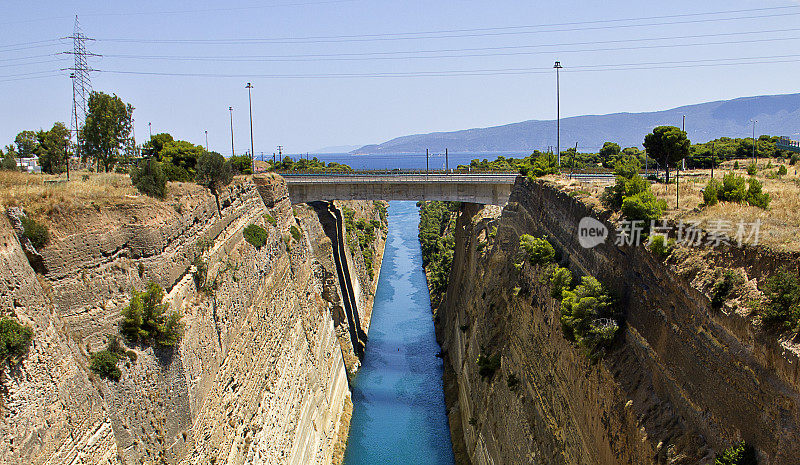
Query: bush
pixel 781 311
pixel 711 191
pixel 14 338
pixel 560 279
pixel 755 196
pixel 241 164
pixel 794 158
pixel 733 188
pixel 544 164
pixel 213 171
pixel 147 319
pixel 487 365
pixel 643 206
pixel 660 246
pixel 782 170
pixel 149 178
pixel 736 165
pixel 9 162
pixel 270 219
pixel 723 287
pixel 35 232
pixel 513 382
pixel 295 232
pixel 256 235
pixel 587 316
pixel 739 454
pixel 538 250
pixel 752 169
pixel 104 363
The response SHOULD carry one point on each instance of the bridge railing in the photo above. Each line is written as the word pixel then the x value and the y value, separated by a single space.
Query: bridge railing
pixel 393 172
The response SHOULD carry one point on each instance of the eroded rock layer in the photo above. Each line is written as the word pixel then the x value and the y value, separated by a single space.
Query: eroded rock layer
pixel 258 375
pixel 684 382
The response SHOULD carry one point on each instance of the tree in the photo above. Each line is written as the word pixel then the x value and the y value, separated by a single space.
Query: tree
pixel 26 144
pixel 213 171
pixel 179 159
pixel 52 148
pixel 156 144
pixel 9 162
pixel 668 144
pixel 107 129
pixel 609 150
pixel 241 164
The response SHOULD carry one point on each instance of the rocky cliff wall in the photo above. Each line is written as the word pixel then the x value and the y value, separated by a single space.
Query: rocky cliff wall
pixel 258 376
pixel 683 382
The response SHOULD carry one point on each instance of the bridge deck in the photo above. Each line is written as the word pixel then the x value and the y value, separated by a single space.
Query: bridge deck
pixel 491 188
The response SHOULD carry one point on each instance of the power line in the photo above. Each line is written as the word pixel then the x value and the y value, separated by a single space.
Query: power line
pixel 391 54
pixel 81 80
pixel 484 32
pixel 490 72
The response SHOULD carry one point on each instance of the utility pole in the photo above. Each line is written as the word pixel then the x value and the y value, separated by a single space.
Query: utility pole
pixel 446 161
pixel 427 165
pixel 755 160
pixel 683 128
pixel 713 159
pixel 150 128
pixel 231 110
pixel 206 141
pixel 558 66
pixel 572 168
pixel 280 151
pixel 250 101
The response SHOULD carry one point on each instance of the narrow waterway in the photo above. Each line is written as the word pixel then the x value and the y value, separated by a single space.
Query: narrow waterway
pixel 399 415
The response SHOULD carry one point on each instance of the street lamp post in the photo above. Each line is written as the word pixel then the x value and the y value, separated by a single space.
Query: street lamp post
pixel 206 141
pixel 558 66
pixel 231 110
pixel 754 140
pixel 250 101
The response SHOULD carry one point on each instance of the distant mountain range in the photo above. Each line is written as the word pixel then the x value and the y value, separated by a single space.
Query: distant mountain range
pixel 776 115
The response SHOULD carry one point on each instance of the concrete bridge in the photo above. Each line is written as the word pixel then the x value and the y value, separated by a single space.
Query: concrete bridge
pixel 490 189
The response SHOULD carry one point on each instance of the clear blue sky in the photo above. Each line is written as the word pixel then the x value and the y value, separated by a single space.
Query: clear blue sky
pixel 304 113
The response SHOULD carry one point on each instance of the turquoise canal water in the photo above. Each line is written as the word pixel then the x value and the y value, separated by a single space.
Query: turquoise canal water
pixel 399 414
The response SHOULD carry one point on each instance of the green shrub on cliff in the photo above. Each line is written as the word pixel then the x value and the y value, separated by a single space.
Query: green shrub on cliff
pixel 781 311
pixel 739 454
pixel 14 339
pixel 587 317
pixel 295 232
pixel 537 250
pixel 723 286
pixel 36 232
pixel 661 247
pixel 147 319
pixel 149 178
pixel 560 279
pixel 487 365
pixel 436 226
pixel 255 235
pixel 104 363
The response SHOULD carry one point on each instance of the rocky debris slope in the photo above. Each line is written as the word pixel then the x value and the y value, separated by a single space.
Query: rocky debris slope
pixel 258 375
pixel 683 382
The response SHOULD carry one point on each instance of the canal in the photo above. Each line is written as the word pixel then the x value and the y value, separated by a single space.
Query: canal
pixel 399 414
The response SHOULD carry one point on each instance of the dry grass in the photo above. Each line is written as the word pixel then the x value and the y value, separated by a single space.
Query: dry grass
pixel 779 224
pixel 43 196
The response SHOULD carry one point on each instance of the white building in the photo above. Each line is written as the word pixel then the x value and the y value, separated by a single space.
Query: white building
pixel 31 165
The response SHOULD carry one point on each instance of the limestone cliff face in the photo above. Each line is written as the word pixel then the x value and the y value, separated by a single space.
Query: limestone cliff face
pixel 258 375
pixel 684 381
